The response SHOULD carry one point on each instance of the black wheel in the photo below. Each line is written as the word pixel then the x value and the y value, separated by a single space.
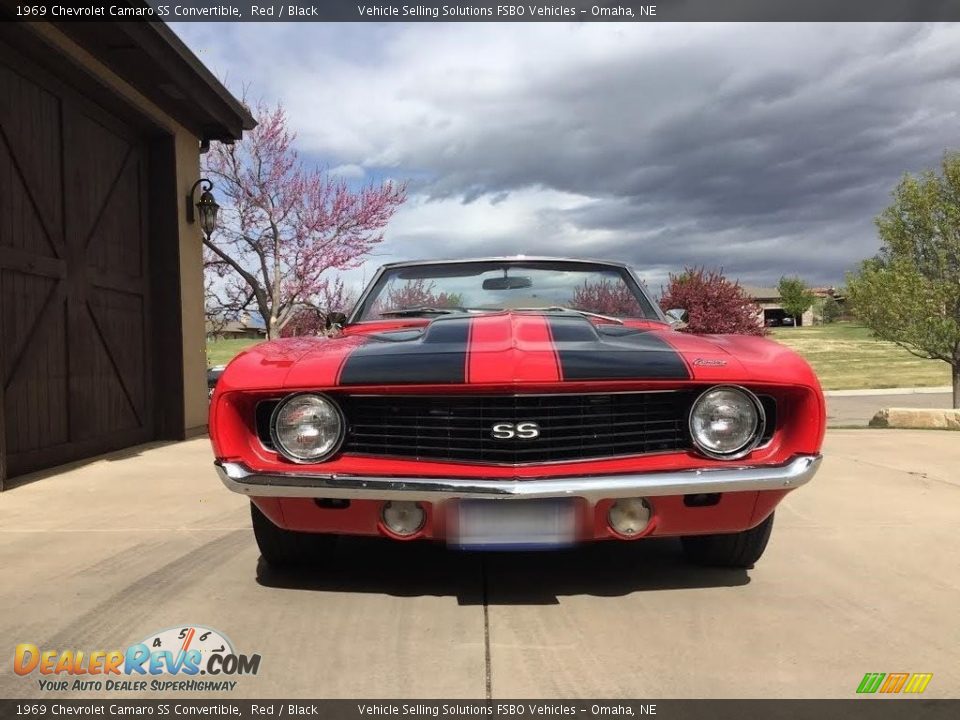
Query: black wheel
pixel 286 548
pixel 740 549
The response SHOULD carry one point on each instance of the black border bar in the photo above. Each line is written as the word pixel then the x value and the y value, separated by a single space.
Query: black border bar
pixel 874 708
pixel 482 11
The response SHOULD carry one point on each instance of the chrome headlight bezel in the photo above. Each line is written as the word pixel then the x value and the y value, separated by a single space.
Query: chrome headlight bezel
pixel 753 440
pixel 284 451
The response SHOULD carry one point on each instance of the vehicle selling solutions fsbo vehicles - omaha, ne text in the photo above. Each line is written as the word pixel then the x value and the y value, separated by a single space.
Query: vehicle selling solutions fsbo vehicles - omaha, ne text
pixel 515 403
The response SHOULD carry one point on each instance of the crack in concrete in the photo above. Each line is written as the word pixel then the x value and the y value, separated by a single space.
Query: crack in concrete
pixel 912 473
pixel 488 669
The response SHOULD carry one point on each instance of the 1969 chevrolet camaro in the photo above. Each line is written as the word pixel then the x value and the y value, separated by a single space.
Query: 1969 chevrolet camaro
pixel 515 403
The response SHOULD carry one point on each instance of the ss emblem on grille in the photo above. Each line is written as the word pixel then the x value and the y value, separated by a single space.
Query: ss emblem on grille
pixel 522 430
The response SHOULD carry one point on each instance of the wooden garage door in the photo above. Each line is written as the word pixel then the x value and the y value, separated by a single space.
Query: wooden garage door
pixel 73 276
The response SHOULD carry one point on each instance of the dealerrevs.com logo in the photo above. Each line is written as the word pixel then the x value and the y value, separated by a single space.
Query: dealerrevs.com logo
pixel 169 660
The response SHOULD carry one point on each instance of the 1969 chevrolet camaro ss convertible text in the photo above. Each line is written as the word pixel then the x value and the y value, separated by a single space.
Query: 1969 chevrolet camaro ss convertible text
pixel 515 403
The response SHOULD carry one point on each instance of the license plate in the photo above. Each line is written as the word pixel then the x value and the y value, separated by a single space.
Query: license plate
pixel 513 524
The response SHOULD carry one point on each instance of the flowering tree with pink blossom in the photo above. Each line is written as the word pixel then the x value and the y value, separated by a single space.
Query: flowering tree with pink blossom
pixel 606 297
pixel 285 229
pixel 714 303
pixel 309 320
pixel 413 294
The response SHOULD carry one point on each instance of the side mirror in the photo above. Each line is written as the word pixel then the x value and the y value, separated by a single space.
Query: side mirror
pixel 335 319
pixel 677 318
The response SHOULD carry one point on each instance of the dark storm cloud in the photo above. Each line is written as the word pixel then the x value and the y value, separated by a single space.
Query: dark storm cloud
pixel 794 162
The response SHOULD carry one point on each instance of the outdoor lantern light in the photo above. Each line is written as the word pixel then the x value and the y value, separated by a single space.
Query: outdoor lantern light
pixel 207 206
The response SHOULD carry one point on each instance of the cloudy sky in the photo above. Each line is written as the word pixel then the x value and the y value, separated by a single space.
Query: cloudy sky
pixel 766 149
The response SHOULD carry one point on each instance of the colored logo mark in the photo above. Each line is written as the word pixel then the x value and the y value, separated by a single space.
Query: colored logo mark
pixel 891 683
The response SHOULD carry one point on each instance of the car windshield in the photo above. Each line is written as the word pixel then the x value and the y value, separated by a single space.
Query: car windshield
pixel 442 288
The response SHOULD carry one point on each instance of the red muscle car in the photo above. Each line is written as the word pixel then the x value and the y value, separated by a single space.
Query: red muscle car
pixel 515 403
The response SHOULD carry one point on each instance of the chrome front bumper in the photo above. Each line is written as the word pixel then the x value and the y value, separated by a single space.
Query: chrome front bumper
pixel 792 474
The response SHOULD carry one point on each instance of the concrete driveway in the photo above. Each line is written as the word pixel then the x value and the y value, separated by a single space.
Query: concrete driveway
pixel 861 576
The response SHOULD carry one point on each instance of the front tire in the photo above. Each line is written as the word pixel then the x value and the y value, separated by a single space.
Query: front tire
pixel 735 550
pixel 286 548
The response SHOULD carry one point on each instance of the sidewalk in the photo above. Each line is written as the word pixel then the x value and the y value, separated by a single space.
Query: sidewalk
pixel 889 391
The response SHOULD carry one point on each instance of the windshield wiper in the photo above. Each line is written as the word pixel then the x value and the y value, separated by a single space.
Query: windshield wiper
pixel 403 312
pixel 561 308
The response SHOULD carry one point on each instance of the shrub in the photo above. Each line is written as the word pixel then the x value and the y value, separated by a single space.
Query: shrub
pixel 715 304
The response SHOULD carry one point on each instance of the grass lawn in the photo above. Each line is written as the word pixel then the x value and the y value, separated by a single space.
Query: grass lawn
pixel 220 352
pixel 846 357
pixel 843 354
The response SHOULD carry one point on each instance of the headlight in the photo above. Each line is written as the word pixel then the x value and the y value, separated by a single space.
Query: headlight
pixel 307 428
pixel 726 422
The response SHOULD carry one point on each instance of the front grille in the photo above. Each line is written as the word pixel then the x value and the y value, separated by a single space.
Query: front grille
pixel 572 427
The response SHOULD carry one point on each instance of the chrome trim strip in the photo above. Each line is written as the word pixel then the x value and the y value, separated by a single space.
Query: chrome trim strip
pixel 481 393
pixel 361 301
pixel 661 315
pixel 798 471
pixel 500 258
pixel 524 464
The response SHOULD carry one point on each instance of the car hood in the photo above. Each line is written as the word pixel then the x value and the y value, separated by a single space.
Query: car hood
pixel 513 347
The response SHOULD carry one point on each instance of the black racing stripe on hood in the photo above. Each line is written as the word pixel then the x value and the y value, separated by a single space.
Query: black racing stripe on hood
pixel 586 354
pixel 436 355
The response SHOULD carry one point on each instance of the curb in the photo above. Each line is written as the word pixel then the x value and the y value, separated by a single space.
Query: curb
pixel 888 391
pixel 917 419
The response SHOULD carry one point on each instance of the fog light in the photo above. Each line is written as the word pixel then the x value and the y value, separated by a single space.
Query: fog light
pixel 629 516
pixel 402 517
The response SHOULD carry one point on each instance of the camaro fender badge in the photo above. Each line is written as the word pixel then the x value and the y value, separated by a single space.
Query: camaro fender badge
pixel 527 430
pixel 709 362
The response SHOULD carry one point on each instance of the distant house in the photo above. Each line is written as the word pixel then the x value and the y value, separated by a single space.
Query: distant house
pixel 247 327
pixel 822 293
pixel 768 298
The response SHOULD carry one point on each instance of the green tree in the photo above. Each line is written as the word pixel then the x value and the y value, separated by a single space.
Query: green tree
pixel 909 293
pixel 795 297
pixel 829 310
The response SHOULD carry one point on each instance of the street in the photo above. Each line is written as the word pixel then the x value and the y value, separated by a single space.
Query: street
pixel 855 408
pixel 861 575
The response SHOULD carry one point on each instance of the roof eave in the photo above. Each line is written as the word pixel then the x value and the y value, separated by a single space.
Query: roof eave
pixel 152 59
